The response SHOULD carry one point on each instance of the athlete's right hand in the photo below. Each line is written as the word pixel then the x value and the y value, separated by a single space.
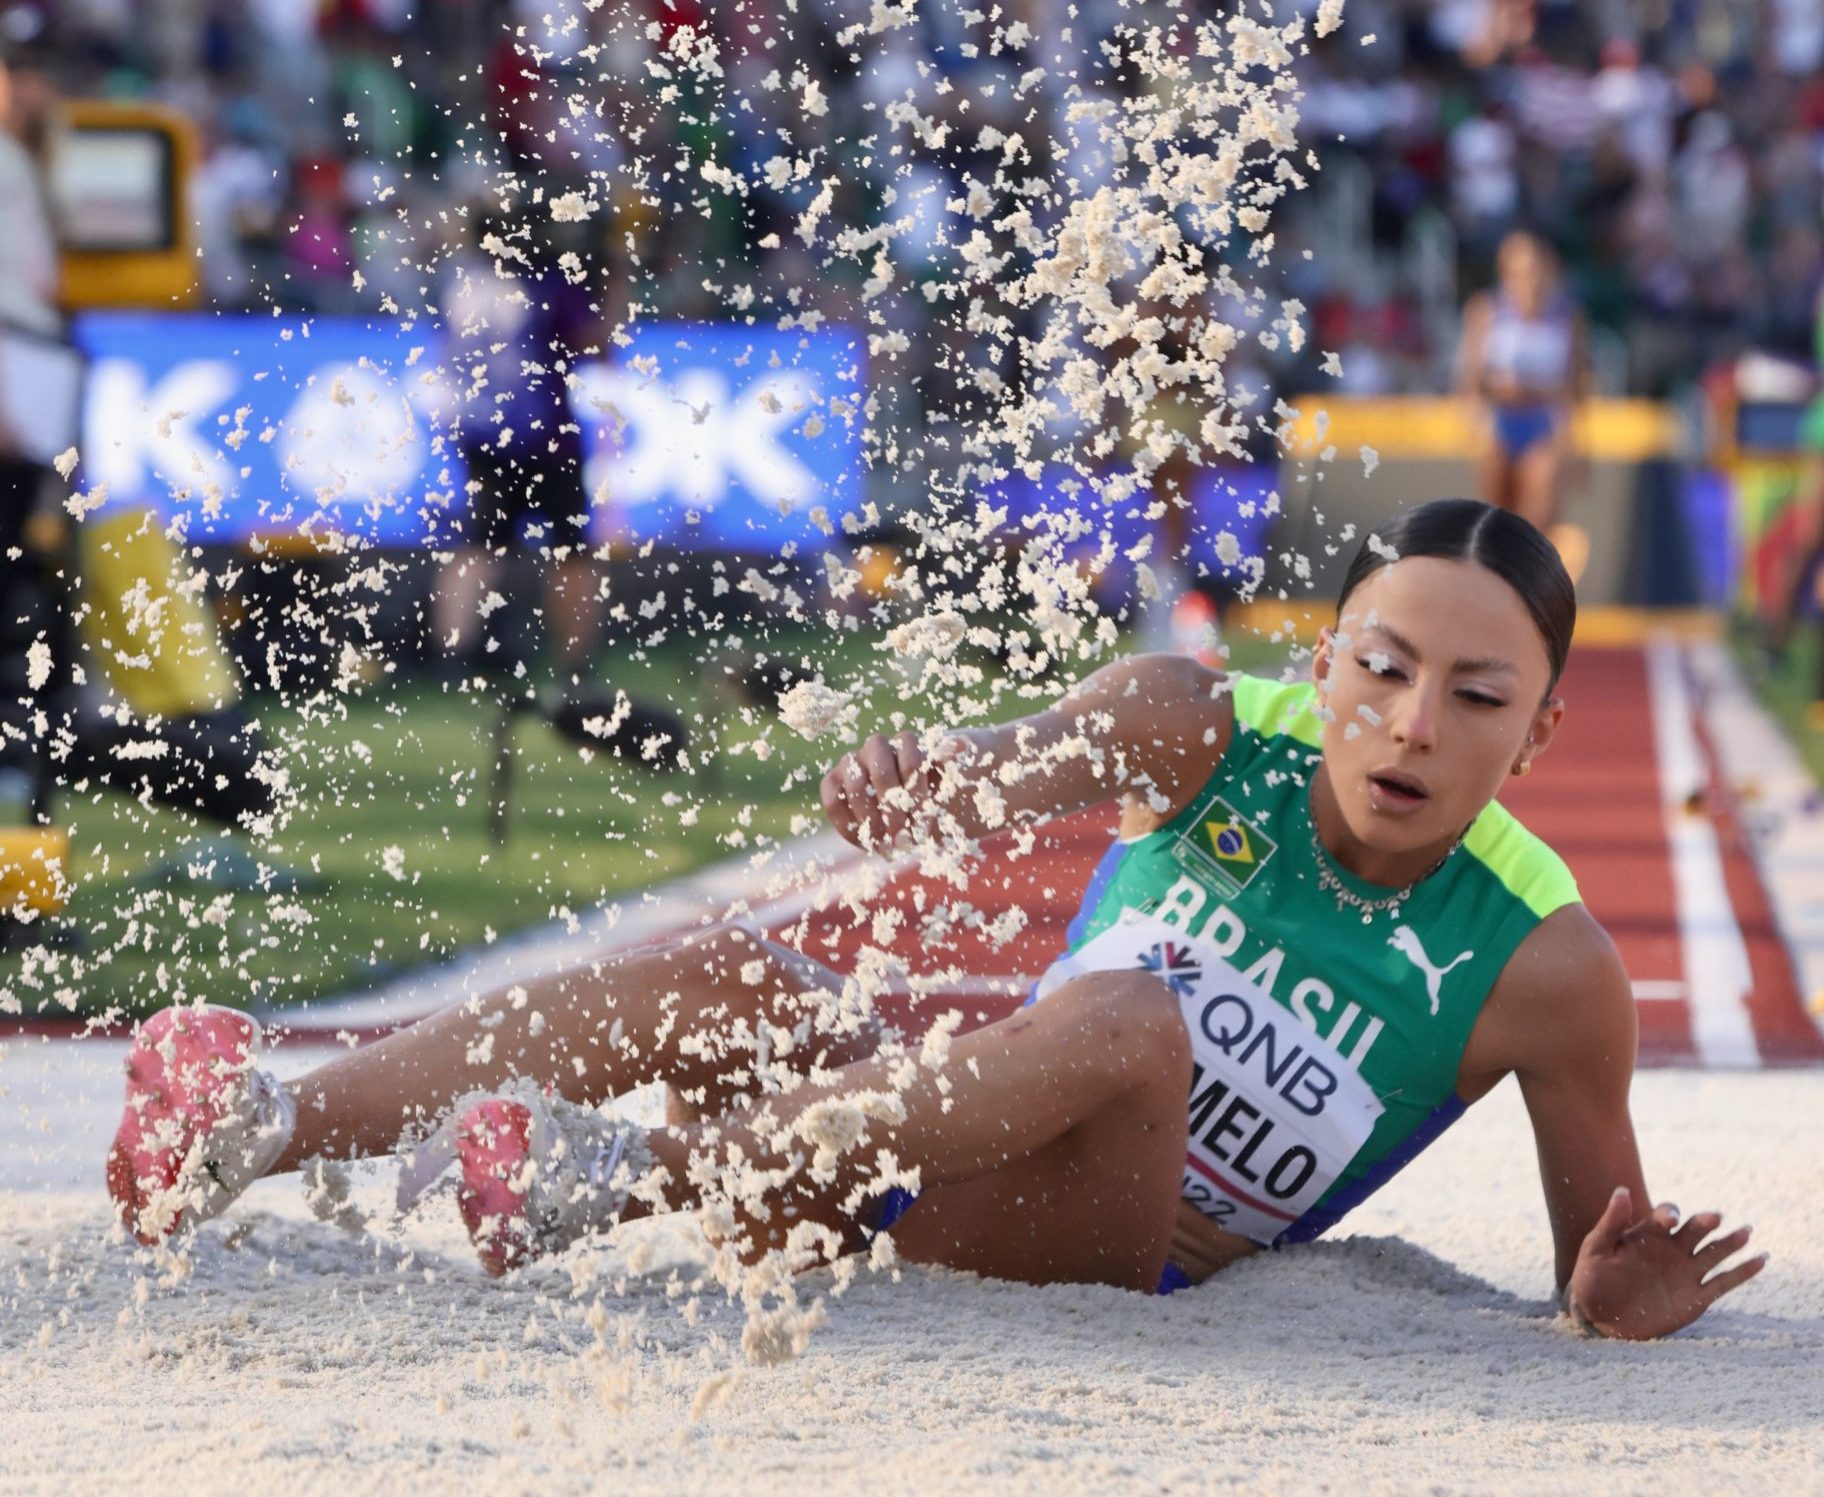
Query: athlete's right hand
pixel 875 794
pixel 1641 1280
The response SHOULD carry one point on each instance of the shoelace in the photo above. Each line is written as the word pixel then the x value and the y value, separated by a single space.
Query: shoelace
pixel 604 1161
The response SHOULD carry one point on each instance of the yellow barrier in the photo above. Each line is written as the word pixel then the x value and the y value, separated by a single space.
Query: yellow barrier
pixel 32 863
pixel 1595 626
pixel 157 642
pixel 1617 431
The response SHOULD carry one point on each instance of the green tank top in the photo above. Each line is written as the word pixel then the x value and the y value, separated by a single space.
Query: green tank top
pixel 1326 1046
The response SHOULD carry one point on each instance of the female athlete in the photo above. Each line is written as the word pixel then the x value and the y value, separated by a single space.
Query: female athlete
pixel 1522 355
pixel 1317 924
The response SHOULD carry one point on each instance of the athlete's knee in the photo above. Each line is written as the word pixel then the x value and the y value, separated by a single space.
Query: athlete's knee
pixel 717 960
pixel 1136 1020
pixel 748 995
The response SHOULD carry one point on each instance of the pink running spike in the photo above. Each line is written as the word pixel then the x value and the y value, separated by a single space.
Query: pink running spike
pixel 493 1142
pixel 183 1064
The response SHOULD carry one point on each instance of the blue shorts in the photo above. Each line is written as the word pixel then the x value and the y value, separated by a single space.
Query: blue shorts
pixel 899 1201
pixel 1518 427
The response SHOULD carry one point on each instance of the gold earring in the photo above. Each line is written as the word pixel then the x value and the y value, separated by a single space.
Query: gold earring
pixel 1523 767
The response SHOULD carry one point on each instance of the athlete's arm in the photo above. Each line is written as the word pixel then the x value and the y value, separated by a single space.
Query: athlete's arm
pixel 1148 728
pixel 1469 372
pixel 1582 373
pixel 1567 1009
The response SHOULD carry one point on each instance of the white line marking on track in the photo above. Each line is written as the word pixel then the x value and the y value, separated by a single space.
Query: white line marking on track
pixel 1780 805
pixel 1717 973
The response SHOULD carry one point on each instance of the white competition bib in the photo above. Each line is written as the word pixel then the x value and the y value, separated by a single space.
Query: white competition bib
pixel 1276 1111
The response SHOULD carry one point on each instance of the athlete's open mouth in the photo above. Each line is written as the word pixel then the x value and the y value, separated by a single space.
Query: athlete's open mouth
pixel 1400 788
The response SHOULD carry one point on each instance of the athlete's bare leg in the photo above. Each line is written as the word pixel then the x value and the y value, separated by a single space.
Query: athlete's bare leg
pixel 1495 476
pixel 456 604
pixel 681 1012
pixel 1050 1145
pixel 574 599
pixel 1536 477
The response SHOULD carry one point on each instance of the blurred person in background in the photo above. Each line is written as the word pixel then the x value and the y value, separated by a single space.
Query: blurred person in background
pixel 516 324
pixel 28 313
pixel 1638 103
pixel 238 197
pixel 28 266
pixel 1484 181
pixel 1522 359
pixel 1797 595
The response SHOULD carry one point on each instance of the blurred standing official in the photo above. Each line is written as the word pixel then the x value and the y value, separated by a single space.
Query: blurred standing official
pixel 28 276
pixel 516 324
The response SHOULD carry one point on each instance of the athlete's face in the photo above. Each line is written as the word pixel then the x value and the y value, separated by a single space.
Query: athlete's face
pixel 1435 678
pixel 1525 273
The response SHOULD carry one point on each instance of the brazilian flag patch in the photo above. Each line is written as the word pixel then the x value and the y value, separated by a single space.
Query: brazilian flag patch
pixel 1225 848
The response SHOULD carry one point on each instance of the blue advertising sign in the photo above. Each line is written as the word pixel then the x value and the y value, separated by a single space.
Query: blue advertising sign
pixel 699 435
pixel 259 426
pixel 728 435
pixel 1238 499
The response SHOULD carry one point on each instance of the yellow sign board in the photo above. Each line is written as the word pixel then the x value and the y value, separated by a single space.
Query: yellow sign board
pixel 1602 429
pixel 120 180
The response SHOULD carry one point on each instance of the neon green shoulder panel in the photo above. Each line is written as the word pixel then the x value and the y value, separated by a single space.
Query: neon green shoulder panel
pixel 1275 708
pixel 1530 871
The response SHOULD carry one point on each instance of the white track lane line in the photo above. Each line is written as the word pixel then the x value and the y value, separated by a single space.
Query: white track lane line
pixel 1765 768
pixel 1717 972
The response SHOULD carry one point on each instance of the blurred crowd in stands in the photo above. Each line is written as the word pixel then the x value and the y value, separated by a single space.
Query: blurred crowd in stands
pixel 1672 150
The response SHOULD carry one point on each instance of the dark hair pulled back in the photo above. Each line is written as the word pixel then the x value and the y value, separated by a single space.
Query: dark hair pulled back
pixel 1468 530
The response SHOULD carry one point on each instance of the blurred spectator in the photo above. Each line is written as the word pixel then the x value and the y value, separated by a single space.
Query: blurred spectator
pixel 1485 183
pixel 1671 153
pixel 1637 104
pixel 1522 358
pixel 28 279
pixel 237 196
pixel 28 250
pixel 28 310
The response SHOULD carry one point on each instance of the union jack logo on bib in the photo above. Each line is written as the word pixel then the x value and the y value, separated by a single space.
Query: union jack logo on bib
pixel 1176 963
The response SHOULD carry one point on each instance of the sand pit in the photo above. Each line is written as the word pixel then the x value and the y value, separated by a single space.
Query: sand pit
pixel 1419 1353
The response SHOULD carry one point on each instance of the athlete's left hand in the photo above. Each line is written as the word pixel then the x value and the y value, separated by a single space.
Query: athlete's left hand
pixel 1200 1247
pixel 1644 1280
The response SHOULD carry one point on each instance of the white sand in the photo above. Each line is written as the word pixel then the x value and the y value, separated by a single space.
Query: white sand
pixel 1417 1355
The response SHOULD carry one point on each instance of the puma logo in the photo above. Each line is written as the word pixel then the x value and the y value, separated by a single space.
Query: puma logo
pixel 1405 940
